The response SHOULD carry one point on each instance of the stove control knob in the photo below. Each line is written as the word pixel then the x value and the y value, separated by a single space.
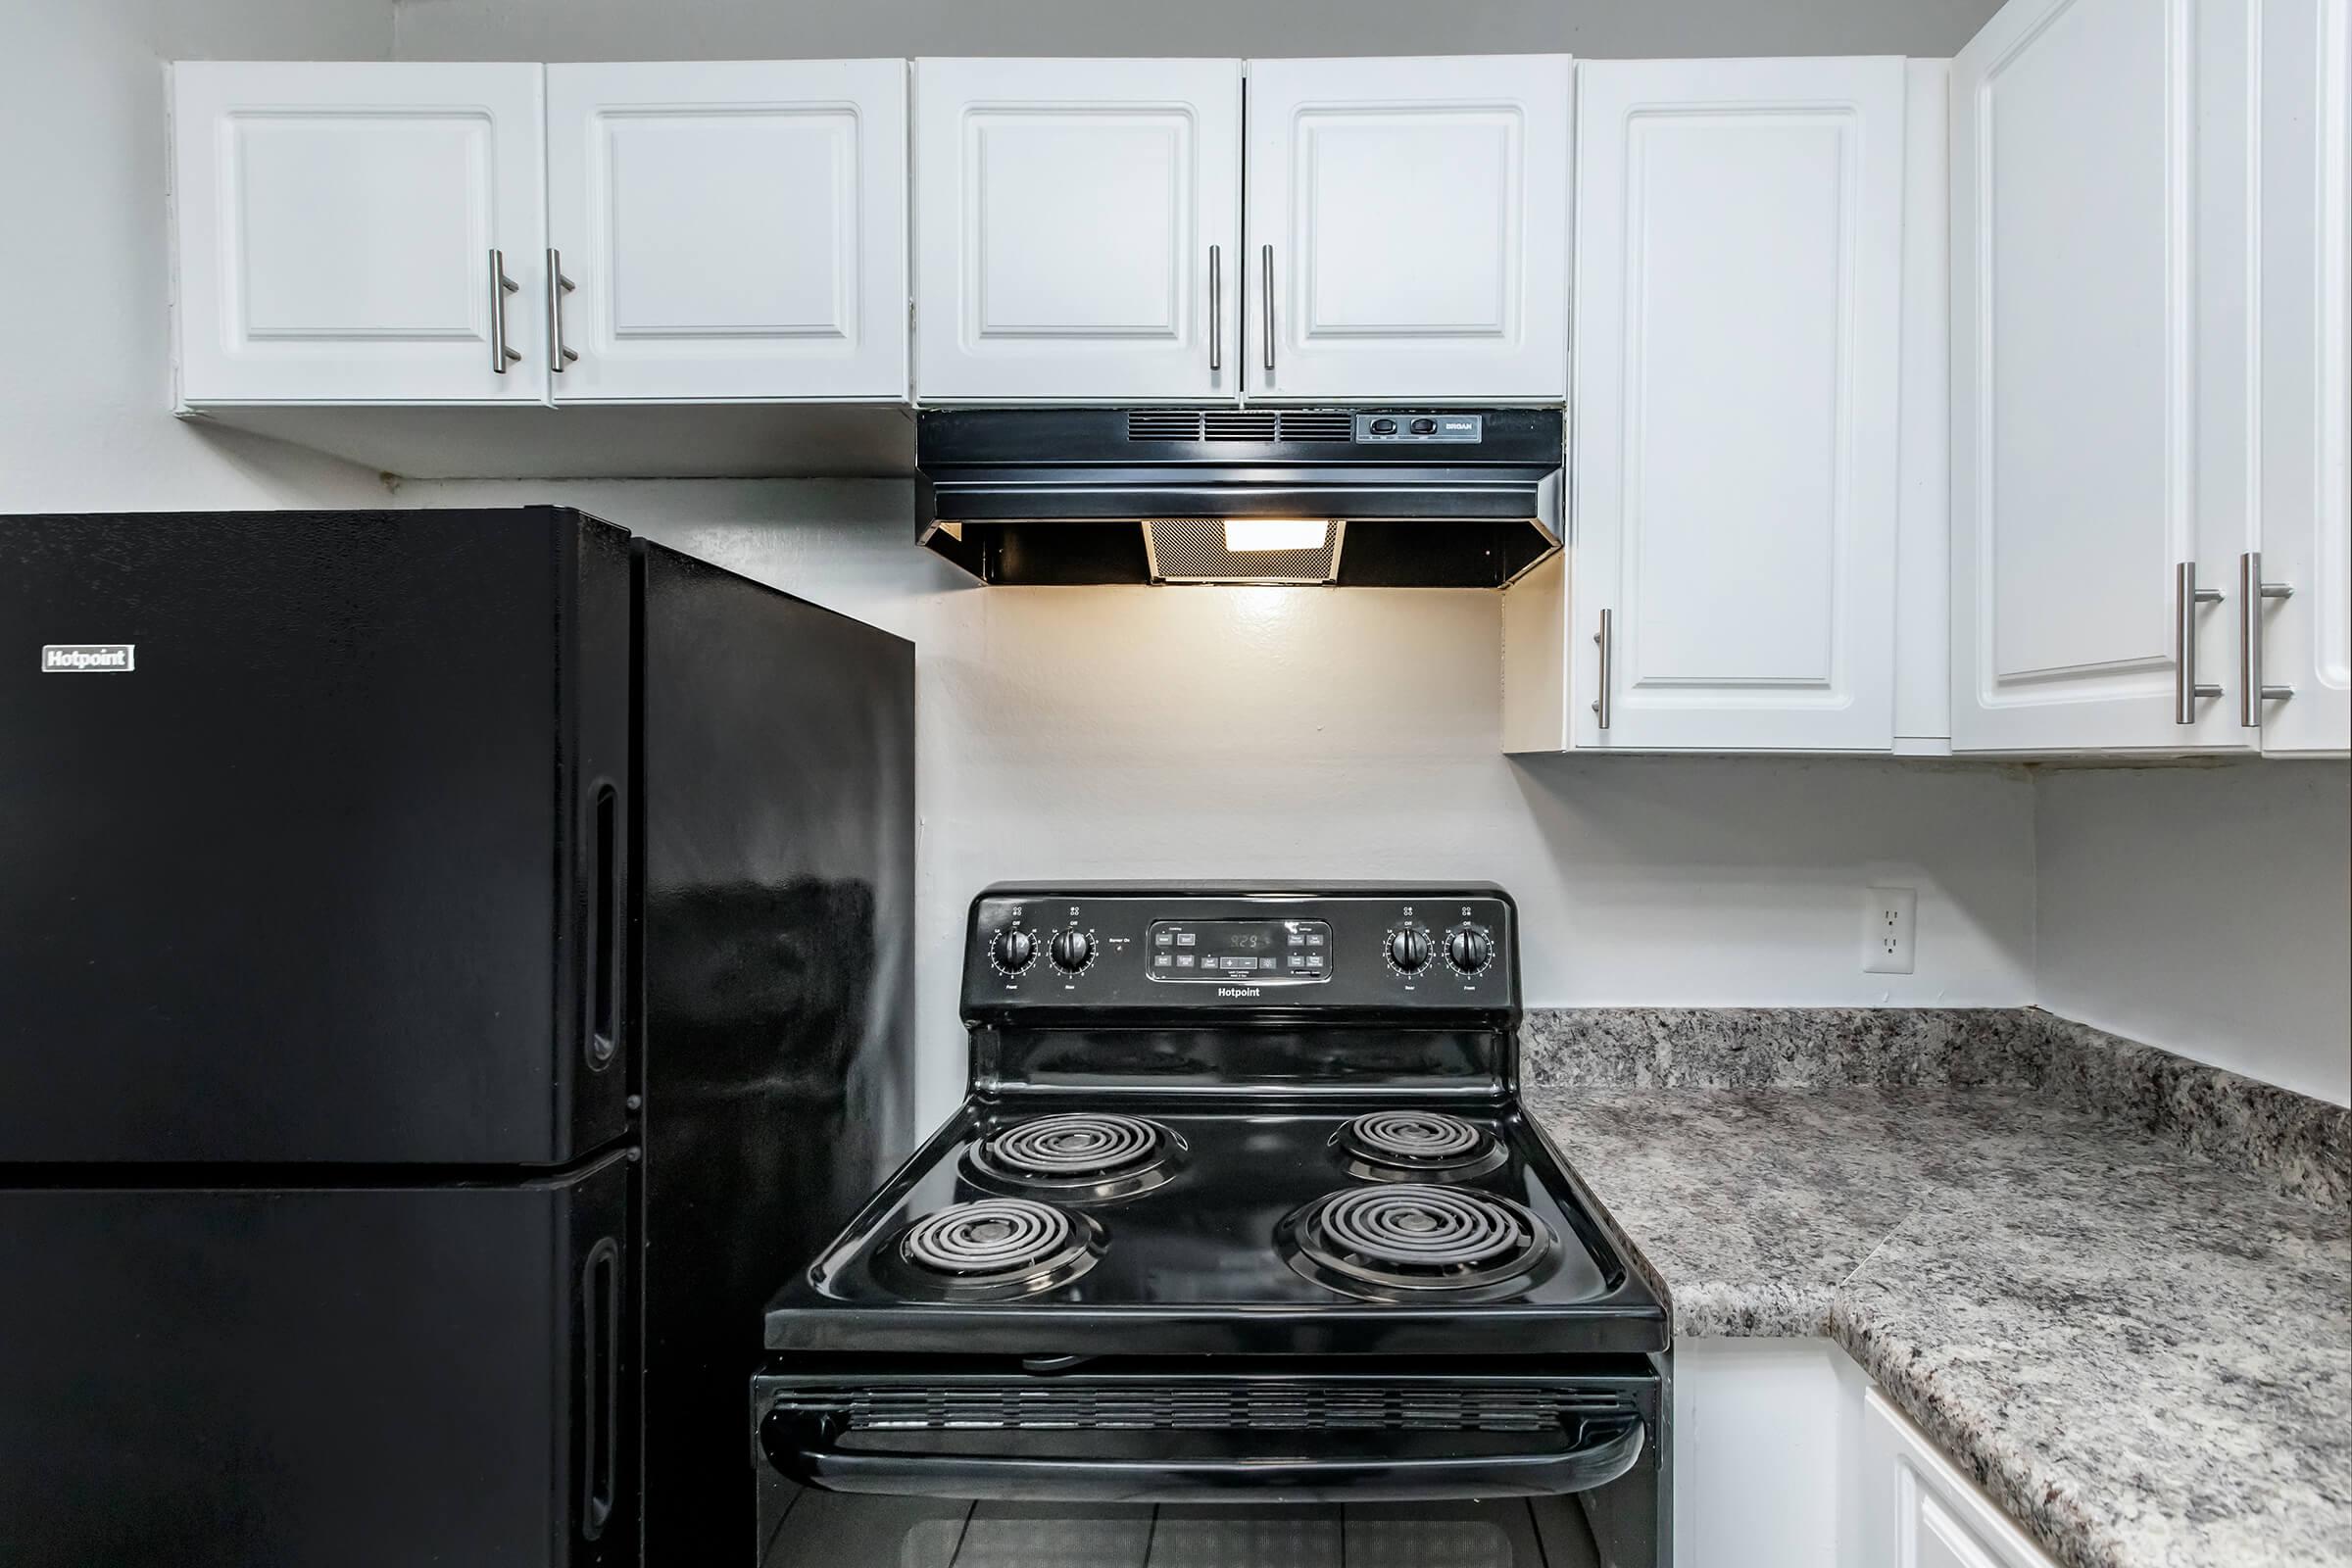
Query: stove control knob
pixel 1409 949
pixel 1469 950
pixel 1014 949
pixel 1072 951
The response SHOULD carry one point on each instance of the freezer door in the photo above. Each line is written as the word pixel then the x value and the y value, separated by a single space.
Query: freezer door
pixel 246 1379
pixel 315 830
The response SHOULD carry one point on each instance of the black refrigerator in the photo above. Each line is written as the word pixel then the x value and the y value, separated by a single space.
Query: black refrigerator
pixel 445 959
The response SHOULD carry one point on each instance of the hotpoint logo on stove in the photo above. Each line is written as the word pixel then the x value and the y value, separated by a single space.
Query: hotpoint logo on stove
pixel 1239 991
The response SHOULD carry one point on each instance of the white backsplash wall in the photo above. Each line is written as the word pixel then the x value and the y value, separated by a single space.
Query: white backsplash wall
pixel 85 339
pixel 1185 732
pixel 2204 911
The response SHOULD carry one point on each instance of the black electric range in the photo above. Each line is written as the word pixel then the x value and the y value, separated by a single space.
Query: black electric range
pixel 1241 1208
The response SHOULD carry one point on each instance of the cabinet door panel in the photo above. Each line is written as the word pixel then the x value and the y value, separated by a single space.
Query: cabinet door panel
pixel 1918 1511
pixel 1739 311
pixel 1066 211
pixel 335 224
pixel 2099 360
pixel 1934 1539
pixel 734 229
pixel 1416 215
pixel 2305 392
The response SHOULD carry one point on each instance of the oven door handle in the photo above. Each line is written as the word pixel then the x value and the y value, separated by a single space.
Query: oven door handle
pixel 804 1446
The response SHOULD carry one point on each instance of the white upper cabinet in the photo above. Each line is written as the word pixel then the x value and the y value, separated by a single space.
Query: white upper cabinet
pixel 1408 228
pixel 732 230
pixel 1739 336
pixel 341 230
pixel 2099 455
pixel 2304 395
pixel 1077 227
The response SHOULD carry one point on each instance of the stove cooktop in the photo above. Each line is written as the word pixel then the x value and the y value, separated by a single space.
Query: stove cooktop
pixel 1271 1119
pixel 1184 1225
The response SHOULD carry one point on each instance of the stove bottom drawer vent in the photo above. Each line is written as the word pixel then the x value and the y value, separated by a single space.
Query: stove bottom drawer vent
pixel 1214 1408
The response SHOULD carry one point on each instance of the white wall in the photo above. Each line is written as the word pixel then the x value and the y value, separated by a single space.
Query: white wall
pixel 634 29
pixel 84 301
pixel 1274 732
pixel 2205 910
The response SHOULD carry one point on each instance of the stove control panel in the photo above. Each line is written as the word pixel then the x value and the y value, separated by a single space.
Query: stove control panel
pixel 1272 953
pixel 1113 946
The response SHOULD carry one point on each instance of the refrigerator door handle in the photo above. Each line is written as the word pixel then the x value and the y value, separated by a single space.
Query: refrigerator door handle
pixel 601 1007
pixel 599 1384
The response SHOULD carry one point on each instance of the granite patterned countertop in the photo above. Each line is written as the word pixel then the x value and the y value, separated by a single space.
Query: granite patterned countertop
pixel 2142 1354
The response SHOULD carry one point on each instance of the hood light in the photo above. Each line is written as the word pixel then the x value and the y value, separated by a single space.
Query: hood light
pixel 1244 534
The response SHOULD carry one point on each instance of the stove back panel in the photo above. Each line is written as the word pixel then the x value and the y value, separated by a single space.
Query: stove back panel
pixel 1354 988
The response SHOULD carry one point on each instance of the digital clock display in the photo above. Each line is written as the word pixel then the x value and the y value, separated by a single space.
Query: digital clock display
pixel 1265 952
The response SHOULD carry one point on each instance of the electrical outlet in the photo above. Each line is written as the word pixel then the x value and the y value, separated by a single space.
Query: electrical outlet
pixel 1889 924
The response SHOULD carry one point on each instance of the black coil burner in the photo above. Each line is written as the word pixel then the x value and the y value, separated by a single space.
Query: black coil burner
pixel 1410 1243
pixel 992 1249
pixel 1416 1145
pixel 1079 1156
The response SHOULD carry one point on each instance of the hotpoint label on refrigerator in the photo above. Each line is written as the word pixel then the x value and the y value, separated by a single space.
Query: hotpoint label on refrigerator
pixel 88 659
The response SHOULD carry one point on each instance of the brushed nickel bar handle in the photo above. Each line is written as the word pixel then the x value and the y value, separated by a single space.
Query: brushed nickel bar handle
pixel 1216 309
pixel 2251 591
pixel 500 285
pixel 2187 597
pixel 1268 313
pixel 1601 640
pixel 558 285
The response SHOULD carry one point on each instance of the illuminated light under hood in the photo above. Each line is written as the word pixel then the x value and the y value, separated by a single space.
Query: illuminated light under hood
pixel 1244 535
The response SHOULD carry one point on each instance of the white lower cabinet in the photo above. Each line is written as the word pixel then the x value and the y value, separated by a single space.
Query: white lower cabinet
pixel 728 230
pixel 1785 1456
pixel 1917 1509
pixel 1767 1444
pixel 358 233
pixel 1736 419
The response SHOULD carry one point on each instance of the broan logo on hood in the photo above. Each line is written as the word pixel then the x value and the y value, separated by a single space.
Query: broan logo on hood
pixel 1239 991
pixel 87 658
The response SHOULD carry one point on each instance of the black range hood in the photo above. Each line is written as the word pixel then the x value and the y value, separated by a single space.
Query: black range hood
pixel 1375 497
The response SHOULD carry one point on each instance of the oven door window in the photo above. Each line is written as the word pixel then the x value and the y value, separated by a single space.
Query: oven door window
pixel 807 1529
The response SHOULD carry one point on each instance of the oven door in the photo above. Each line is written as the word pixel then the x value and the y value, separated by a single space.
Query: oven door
pixel 1138 1465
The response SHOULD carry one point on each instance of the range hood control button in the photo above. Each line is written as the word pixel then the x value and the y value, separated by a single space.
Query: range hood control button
pixel 1425 427
pixel 1383 426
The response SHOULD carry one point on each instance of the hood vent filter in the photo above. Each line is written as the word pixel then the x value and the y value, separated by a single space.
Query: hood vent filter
pixel 1285 551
